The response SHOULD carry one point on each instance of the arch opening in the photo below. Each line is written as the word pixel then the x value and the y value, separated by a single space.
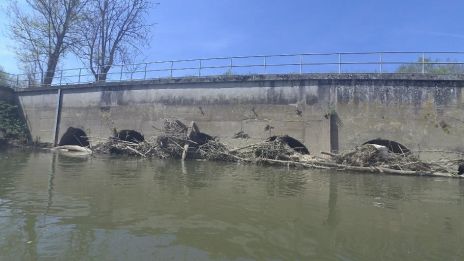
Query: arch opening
pixel 201 138
pixel 130 136
pixel 293 143
pixel 391 145
pixel 74 136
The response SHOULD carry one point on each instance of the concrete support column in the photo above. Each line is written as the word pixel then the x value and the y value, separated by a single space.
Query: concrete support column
pixel 56 132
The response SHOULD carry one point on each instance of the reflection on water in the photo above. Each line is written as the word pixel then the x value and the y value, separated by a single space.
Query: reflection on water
pixel 57 207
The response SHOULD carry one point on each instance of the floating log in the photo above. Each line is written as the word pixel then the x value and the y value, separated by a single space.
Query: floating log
pixel 73 148
pixel 73 151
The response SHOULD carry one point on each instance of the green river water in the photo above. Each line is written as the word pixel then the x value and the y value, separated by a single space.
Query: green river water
pixel 54 207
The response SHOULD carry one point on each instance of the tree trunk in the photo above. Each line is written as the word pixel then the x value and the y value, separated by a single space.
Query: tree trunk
pixel 49 74
pixel 103 74
pixel 51 69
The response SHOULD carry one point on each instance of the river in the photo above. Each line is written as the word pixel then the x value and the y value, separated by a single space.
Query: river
pixel 53 207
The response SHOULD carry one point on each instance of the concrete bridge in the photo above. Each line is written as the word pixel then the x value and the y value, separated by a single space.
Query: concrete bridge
pixel 326 112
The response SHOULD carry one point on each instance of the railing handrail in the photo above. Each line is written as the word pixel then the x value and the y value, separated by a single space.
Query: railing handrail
pixel 200 65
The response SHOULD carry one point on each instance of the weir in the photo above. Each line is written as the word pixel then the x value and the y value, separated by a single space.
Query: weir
pixel 325 112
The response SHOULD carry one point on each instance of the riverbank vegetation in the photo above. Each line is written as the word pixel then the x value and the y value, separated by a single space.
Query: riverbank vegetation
pixel 11 125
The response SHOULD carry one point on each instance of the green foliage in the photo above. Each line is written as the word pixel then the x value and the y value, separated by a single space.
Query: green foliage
pixel 431 66
pixel 4 78
pixel 10 122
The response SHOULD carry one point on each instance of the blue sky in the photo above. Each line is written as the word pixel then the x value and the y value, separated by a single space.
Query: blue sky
pixel 209 28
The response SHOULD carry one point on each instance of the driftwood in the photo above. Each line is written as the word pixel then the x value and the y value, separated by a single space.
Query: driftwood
pixel 316 164
pixel 73 151
pixel 73 148
pixel 191 131
pixel 246 147
pixel 137 152
pixel 372 169
pixel 290 163
pixel 329 154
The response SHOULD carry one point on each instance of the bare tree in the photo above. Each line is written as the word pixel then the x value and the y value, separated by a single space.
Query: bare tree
pixel 113 32
pixel 43 32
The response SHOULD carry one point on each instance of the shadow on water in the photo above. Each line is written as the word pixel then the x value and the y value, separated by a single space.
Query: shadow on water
pixel 186 174
pixel 51 185
pixel 198 174
pixel 333 217
pixel 121 167
pixel 279 181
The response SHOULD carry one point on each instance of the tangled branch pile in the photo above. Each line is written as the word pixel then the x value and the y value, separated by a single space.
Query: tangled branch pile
pixel 175 136
pixel 371 155
pixel 168 145
pixel 214 150
pixel 268 150
pixel 178 141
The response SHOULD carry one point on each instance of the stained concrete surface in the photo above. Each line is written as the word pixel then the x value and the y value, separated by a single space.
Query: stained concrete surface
pixel 419 111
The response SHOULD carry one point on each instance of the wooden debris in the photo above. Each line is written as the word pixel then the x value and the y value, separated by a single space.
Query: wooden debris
pixel 181 142
pixel 191 131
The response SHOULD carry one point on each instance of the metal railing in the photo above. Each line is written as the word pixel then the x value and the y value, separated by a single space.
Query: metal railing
pixel 338 62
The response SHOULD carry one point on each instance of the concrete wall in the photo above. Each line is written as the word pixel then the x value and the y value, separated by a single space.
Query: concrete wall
pixel 220 108
pixel 39 108
pixel 419 111
pixel 423 115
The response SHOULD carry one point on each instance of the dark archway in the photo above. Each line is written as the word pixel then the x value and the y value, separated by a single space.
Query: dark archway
pixel 292 143
pixel 201 138
pixel 74 136
pixel 130 136
pixel 392 146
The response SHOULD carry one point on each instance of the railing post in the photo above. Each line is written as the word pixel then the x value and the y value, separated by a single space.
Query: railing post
pixel 199 68
pixel 145 72
pixel 265 65
pixel 172 66
pixel 301 64
pixel 231 65
pixel 61 76
pixel 381 62
pixel 423 63
pixel 80 71
pixel 339 63
pixel 120 72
